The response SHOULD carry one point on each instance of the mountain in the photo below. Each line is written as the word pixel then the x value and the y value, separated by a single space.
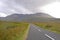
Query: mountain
pixel 37 17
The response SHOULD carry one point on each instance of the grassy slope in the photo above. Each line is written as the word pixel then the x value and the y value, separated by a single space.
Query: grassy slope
pixel 52 26
pixel 13 30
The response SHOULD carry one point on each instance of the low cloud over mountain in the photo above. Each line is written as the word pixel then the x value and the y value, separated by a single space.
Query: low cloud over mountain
pixel 38 17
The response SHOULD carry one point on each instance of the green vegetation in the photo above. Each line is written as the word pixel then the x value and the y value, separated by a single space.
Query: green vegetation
pixel 52 26
pixel 13 30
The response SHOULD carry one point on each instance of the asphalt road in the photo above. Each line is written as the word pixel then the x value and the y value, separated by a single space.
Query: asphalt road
pixel 37 33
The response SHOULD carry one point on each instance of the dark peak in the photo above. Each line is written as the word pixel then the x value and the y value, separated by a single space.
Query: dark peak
pixel 20 14
pixel 42 13
pixel 16 15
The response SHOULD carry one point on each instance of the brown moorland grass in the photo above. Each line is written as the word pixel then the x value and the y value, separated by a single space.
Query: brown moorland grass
pixel 12 30
pixel 51 26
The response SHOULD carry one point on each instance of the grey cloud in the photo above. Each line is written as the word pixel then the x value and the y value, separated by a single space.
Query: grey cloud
pixel 33 4
pixel 12 7
pixel 22 6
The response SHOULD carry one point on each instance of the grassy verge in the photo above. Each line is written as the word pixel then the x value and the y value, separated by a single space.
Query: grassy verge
pixel 26 33
pixel 52 26
pixel 13 30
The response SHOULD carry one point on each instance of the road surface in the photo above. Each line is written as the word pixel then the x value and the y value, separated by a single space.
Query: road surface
pixel 37 33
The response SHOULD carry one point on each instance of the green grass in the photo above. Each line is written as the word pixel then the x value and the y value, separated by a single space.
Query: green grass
pixel 51 26
pixel 13 30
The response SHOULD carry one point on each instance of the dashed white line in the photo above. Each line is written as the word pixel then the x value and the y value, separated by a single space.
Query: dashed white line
pixel 45 34
pixel 34 27
pixel 39 30
pixel 49 37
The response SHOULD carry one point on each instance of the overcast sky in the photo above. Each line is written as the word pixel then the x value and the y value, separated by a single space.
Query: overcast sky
pixel 21 6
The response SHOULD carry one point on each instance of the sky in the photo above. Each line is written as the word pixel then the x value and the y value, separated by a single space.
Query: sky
pixel 8 7
pixel 53 9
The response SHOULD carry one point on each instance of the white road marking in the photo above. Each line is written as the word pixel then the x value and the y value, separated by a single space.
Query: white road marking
pixel 45 34
pixel 49 37
pixel 39 30
pixel 34 27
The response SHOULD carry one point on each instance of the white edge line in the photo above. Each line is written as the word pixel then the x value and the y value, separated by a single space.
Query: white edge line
pixel 49 37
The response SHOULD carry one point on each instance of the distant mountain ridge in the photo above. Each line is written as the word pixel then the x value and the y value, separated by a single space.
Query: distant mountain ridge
pixel 38 17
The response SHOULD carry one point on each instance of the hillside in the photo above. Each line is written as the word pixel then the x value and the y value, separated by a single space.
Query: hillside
pixel 38 17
